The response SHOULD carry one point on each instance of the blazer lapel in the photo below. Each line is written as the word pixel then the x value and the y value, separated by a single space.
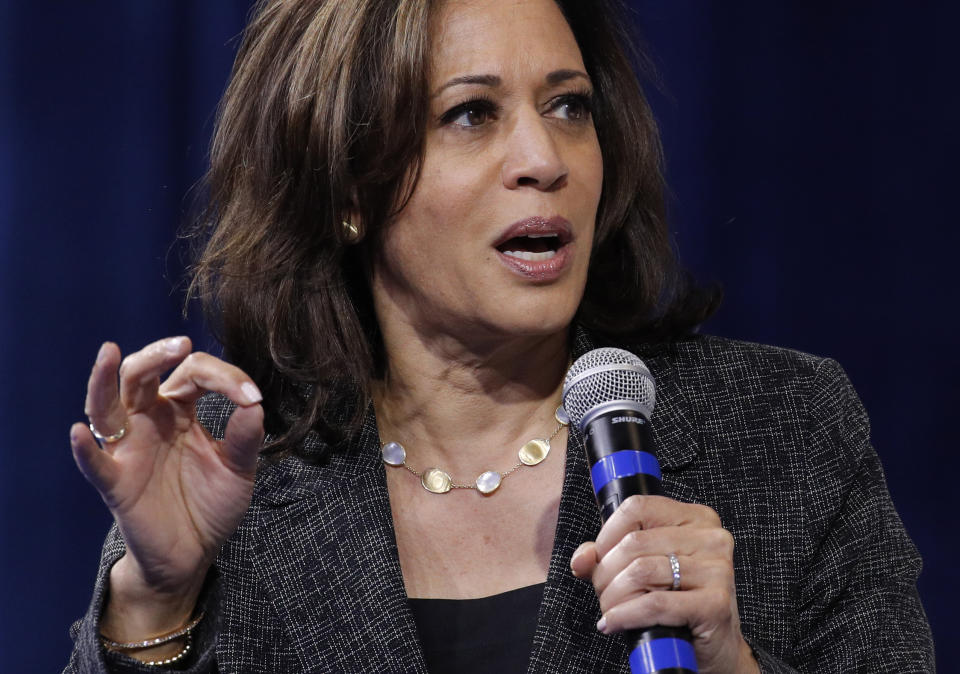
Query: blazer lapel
pixel 325 548
pixel 566 638
pixel 675 437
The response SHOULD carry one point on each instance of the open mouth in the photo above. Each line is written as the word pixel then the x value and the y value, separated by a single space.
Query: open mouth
pixel 537 248
pixel 532 247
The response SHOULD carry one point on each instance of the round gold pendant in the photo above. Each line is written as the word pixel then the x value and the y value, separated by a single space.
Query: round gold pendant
pixel 436 481
pixel 534 452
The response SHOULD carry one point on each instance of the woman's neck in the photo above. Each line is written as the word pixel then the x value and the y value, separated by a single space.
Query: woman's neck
pixel 463 407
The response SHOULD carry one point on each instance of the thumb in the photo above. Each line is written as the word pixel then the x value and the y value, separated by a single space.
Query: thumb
pixel 243 438
pixel 95 464
pixel 584 560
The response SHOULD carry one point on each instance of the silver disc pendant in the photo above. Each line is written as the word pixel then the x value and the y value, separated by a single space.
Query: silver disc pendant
pixel 436 481
pixel 488 482
pixel 534 452
pixel 394 454
pixel 561 416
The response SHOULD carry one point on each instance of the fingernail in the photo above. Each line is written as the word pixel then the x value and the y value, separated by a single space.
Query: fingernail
pixel 602 624
pixel 174 344
pixel 251 392
pixel 102 353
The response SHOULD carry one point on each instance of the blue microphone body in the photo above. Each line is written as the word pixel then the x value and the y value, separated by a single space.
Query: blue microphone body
pixel 609 395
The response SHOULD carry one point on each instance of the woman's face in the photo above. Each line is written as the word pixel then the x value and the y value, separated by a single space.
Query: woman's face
pixel 496 238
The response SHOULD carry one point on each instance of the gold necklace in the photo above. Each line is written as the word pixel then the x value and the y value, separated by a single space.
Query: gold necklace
pixel 437 481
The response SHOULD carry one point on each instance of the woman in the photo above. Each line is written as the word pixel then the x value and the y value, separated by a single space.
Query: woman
pixel 421 214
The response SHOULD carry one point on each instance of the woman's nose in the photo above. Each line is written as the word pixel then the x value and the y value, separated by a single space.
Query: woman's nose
pixel 532 158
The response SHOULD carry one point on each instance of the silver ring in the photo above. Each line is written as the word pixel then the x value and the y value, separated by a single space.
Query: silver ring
pixel 675 568
pixel 107 439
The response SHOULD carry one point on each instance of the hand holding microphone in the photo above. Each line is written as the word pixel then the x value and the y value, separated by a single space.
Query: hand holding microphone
pixel 663 570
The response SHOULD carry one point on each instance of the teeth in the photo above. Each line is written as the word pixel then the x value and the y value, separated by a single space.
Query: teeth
pixel 530 257
pixel 540 236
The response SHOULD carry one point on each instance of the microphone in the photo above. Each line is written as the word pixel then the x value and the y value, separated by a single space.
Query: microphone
pixel 609 394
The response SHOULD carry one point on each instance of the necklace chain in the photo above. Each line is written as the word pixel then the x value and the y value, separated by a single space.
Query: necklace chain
pixel 438 481
pixel 516 466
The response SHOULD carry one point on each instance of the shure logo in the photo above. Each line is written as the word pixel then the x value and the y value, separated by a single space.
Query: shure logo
pixel 629 420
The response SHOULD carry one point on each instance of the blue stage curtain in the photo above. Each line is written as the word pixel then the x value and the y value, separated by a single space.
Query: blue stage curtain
pixel 810 151
pixel 107 111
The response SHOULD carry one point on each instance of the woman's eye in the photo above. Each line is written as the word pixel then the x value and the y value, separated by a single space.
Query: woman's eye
pixel 469 114
pixel 574 107
pixel 479 112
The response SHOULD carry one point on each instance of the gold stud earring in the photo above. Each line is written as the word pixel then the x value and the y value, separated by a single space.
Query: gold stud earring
pixel 351 233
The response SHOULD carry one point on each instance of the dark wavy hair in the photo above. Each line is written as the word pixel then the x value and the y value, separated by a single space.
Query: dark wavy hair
pixel 325 114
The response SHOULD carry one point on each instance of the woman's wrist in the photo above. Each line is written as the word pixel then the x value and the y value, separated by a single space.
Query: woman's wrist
pixel 134 611
pixel 165 649
pixel 164 654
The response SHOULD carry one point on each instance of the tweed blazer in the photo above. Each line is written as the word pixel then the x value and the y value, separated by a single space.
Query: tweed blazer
pixel 775 441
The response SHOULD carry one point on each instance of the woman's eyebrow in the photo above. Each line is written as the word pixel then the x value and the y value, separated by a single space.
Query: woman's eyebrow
pixel 558 76
pixel 552 79
pixel 488 80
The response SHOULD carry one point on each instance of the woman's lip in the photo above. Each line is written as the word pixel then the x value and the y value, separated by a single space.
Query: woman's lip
pixel 538 225
pixel 540 270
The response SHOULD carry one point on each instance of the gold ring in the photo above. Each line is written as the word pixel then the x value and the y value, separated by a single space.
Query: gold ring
pixel 114 437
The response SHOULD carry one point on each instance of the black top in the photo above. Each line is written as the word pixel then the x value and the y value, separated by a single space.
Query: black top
pixel 489 634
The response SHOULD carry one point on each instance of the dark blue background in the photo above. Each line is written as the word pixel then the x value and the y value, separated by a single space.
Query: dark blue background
pixel 810 149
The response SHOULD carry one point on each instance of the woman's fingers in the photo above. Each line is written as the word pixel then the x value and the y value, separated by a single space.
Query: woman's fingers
pixel 654 573
pixel 96 465
pixel 242 439
pixel 584 560
pixel 140 372
pixel 703 610
pixel 650 512
pixel 714 543
pixel 110 404
pixel 102 405
pixel 200 372
pixel 631 570
pixel 633 547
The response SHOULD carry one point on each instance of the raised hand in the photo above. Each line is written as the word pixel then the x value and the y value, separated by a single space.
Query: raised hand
pixel 175 492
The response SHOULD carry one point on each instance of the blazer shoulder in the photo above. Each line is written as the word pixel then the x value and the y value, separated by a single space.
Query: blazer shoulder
pixel 735 353
pixel 718 375
pixel 738 365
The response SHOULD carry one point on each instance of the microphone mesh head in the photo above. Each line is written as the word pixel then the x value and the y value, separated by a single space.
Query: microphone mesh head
pixel 605 376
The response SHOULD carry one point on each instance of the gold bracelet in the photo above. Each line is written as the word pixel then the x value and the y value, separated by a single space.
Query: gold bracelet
pixel 173 658
pixel 150 643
